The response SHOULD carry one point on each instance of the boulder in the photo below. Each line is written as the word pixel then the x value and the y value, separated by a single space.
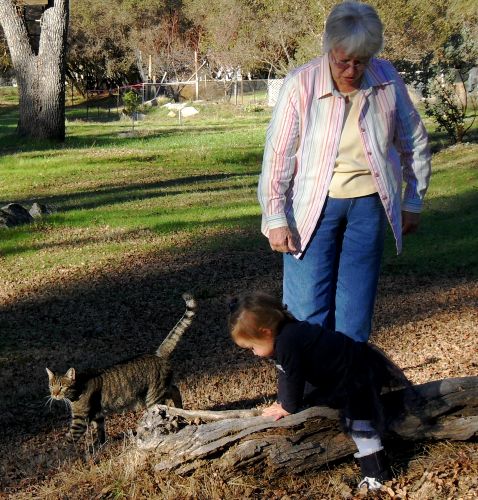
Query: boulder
pixel 39 210
pixel 189 111
pixel 14 214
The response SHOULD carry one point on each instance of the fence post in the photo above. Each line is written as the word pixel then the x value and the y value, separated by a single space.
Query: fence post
pixel 196 71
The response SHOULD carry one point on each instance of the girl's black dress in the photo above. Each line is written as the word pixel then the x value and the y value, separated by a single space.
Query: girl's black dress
pixel 337 372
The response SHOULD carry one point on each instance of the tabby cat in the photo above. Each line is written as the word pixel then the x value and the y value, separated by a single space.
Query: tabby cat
pixel 144 380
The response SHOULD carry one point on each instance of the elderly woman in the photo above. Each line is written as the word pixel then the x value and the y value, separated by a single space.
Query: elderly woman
pixel 343 138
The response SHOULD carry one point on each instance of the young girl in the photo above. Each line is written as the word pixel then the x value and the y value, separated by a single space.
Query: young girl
pixel 337 372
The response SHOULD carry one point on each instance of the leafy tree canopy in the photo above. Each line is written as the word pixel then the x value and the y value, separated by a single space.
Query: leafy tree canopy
pixel 107 39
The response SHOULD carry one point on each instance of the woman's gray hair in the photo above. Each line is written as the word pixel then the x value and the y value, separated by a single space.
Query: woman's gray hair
pixel 356 28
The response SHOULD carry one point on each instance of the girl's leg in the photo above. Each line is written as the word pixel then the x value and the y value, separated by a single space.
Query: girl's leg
pixel 374 465
pixel 359 267
pixel 365 437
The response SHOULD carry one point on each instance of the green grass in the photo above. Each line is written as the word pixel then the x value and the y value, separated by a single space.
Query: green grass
pixel 177 184
pixel 112 193
pixel 8 96
pixel 447 241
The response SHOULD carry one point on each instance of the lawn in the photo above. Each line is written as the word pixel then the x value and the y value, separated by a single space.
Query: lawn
pixel 137 221
pixel 191 180
pixel 108 191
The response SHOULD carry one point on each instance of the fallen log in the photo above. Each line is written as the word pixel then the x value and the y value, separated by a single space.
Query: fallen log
pixel 305 441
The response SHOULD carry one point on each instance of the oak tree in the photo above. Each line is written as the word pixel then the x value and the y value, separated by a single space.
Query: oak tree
pixel 40 74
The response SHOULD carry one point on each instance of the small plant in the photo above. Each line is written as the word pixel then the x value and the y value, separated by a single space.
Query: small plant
pixel 253 108
pixel 132 105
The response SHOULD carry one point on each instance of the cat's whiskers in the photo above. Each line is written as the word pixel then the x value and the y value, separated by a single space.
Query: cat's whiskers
pixel 48 402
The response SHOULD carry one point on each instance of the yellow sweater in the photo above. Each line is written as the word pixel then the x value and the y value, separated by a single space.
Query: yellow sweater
pixel 352 177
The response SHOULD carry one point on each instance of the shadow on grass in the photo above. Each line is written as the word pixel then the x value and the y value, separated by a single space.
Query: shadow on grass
pixel 12 144
pixel 102 316
pixel 18 237
pixel 99 317
pixel 446 243
pixel 111 195
pixel 440 140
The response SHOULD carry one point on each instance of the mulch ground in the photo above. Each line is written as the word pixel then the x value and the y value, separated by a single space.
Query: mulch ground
pixel 93 317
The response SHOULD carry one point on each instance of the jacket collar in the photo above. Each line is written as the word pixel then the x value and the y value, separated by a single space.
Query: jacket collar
pixel 374 76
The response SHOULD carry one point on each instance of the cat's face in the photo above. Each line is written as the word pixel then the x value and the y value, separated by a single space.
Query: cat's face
pixel 61 386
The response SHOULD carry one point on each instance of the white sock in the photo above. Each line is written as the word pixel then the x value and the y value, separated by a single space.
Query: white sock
pixel 365 445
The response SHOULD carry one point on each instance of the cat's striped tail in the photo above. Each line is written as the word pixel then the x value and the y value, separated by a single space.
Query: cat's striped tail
pixel 169 343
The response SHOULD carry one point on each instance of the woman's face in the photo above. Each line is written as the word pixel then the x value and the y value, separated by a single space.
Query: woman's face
pixel 347 70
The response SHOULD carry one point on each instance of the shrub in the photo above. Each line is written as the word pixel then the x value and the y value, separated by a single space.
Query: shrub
pixel 131 104
pixel 442 79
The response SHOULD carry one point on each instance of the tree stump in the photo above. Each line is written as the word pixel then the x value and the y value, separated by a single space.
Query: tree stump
pixel 305 441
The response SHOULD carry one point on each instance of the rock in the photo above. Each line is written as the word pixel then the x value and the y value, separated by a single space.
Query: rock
pixel 174 105
pixel 6 220
pixel 39 210
pixel 189 111
pixel 14 214
pixel 171 114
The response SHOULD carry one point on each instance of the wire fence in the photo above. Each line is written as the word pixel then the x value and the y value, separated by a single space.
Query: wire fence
pixel 234 92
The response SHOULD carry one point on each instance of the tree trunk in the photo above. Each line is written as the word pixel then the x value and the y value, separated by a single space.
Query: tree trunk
pixel 40 77
pixel 445 409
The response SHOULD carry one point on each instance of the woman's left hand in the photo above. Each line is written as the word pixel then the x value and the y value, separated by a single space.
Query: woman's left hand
pixel 410 222
pixel 276 411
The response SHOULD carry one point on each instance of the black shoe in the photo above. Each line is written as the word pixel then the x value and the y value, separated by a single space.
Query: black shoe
pixel 375 466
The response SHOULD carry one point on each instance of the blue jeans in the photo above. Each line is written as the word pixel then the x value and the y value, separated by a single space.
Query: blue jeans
pixel 334 283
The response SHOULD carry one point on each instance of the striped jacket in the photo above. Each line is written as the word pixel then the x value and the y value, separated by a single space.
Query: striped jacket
pixel 303 138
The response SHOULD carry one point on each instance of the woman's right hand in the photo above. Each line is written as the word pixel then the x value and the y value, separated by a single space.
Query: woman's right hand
pixel 281 240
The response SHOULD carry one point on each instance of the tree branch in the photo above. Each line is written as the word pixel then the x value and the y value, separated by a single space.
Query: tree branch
pixel 445 409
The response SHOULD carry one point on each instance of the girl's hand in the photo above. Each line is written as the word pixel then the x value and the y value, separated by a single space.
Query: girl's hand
pixel 276 411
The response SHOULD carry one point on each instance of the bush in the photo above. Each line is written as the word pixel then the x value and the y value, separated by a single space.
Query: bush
pixel 442 79
pixel 132 104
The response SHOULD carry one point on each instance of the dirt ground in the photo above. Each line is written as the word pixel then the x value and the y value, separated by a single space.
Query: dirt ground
pixel 87 317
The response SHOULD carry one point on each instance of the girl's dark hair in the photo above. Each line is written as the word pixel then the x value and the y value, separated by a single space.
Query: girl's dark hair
pixel 251 311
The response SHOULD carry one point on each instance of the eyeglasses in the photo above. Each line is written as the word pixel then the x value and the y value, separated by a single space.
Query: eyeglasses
pixel 342 65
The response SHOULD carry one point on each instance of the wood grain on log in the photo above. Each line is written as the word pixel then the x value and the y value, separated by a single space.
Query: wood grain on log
pixel 305 441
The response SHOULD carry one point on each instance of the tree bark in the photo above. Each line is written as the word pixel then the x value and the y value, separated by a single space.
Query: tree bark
pixel 445 409
pixel 40 77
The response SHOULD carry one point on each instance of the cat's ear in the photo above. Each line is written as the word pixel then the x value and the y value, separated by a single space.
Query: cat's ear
pixel 71 374
pixel 50 374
